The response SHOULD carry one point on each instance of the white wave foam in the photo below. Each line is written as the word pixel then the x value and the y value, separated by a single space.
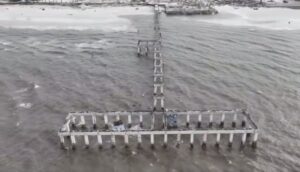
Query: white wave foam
pixel 60 18
pixel 4 42
pixel 95 44
pixel 265 18
pixel 25 105
pixel 22 90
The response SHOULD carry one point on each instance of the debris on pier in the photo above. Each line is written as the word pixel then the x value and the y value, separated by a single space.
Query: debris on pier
pixel 171 125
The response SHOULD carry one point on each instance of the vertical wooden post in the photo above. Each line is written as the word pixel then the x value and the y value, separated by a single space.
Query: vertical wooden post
pixel 204 141
pixel 86 141
pixel 187 120
pixel 199 121
pixel 139 48
pixel 164 121
pixel 244 136
pixel 147 48
pixel 153 122
pixel 178 140
pixel 152 141
pixel 118 116
pixel 94 122
pixel 68 126
pixel 99 138
pixel 218 140
pixel 129 121
pixel 73 121
pixel 126 140
pixel 73 141
pixel 234 120
pixel 105 122
pixel 210 120
pixel 191 141
pixel 141 120
pixel 154 104
pixel 62 141
pixel 244 122
pixel 230 140
pixel 165 140
pixel 162 103
pixel 222 120
pixel 139 140
pixel 83 126
pixel 113 141
pixel 155 90
pixel 254 143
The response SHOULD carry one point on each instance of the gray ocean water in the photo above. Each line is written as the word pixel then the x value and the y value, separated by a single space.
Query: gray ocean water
pixel 46 74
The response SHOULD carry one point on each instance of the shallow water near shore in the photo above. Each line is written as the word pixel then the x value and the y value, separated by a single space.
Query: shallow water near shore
pixel 44 74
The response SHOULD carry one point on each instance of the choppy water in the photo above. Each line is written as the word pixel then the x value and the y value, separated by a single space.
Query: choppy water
pixel 45 74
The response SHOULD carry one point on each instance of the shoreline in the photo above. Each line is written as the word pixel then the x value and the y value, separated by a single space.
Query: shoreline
pixel 109 18
pixel 113 4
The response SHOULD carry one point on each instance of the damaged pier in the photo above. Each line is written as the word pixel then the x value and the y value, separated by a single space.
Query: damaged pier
pixel 160 124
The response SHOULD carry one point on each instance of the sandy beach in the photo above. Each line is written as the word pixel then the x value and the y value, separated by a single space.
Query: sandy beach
pixel 43 17
pixel 62 17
